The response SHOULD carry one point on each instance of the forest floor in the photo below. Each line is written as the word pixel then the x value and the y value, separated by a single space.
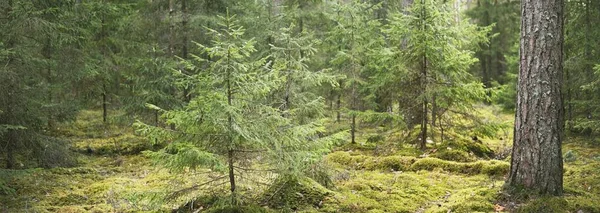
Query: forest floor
pixel 381 173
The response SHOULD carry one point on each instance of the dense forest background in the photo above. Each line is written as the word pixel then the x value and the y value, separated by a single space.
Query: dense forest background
pixel 243 98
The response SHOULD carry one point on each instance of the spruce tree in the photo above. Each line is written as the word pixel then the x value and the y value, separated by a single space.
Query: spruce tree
pixel 437 58
pixel 231 114
pixel 355 34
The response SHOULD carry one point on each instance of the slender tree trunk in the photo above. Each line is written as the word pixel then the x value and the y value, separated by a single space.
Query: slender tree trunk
pixel 589 71
pixel 338 116
pixel 568 83
pixel 354 93
pixel 12 139
pixel 171 28
pixel 184 47
pixel 353 128
pixel 230 152
pixel 104 103
pixel 10 158
pixel 424 121
pixel 536 161
pixel 231 175
pixel 433 111
pixel 485 57
pixel 47 52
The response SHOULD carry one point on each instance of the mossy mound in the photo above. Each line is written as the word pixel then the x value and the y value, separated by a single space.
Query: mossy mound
pixel 127 144
pixel 492 167
pixel 88 124
pixel 478 148
pixel 422 191
pixel 359 161
pixel 453 155
pixel 239 209
pixel 402 163
pixel 295 193
pixel 545 204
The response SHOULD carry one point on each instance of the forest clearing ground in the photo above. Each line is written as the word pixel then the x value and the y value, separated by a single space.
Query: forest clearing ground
pixel 399 180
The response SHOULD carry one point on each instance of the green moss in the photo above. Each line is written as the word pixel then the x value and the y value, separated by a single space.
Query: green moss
pixel 545 204
pixel 387 163
pixel 238 209
pixel 453 155
pixel 479 149
pixel 375 191
pixel 126 144
pixel 393 163
pixel 492 167
pixel 295 193
pixel 401 163
pixel 375 138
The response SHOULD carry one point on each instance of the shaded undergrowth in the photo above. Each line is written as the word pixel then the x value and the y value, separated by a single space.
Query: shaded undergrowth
pixel 383 172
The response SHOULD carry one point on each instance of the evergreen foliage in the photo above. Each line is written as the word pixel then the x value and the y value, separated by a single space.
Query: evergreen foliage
pixel 253 94
pixel 231 115
pixel 437 56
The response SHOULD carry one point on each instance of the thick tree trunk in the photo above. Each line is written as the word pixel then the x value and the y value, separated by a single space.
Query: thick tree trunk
pixel 536 161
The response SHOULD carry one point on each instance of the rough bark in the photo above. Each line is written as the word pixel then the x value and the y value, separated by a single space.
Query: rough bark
pixel 536 162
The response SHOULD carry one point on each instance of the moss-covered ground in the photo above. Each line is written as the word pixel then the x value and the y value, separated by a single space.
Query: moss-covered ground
pixel 383 172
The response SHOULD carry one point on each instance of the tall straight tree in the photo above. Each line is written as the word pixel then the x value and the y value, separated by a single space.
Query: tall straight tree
pixel 435 61
pixel 355 34
pixel 536 161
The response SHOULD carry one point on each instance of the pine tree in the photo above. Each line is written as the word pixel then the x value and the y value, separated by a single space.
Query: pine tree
pixel 536 161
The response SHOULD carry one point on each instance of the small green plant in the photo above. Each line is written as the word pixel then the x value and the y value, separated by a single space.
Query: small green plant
pixel 375 138
pixel 570 156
